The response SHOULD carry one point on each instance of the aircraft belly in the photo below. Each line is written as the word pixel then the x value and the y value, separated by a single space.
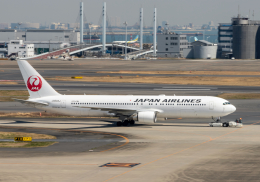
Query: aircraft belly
pixel 98 113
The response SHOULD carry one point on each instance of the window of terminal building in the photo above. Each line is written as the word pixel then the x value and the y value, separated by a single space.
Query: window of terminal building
pixel 166 49
pixel 166 43
pixel 66 36
pixel 166 38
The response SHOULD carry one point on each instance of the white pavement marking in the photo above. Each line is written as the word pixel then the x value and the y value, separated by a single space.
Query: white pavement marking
pixel 193 87
pixel 181 89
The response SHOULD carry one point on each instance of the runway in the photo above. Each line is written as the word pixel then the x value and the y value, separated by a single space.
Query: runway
pixel 99 88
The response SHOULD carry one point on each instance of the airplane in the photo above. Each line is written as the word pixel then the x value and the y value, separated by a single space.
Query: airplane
pixel 128 108
pixel 129 42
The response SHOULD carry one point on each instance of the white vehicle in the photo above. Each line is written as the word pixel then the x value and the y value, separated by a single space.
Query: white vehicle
pixel 214 124
pixel 226 124
pixel 128 108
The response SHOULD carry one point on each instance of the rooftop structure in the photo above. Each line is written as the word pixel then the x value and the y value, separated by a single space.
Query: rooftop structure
pixel 203 49
pixel 19 48
pixel 69 36
pixel 170 44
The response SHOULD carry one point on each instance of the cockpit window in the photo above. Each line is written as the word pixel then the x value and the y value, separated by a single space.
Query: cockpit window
pixel 226 103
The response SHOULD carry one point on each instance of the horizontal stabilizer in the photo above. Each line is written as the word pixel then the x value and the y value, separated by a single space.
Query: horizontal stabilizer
pixel 32 103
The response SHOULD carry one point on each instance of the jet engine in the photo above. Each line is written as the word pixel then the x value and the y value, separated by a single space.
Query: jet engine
pixel 145 117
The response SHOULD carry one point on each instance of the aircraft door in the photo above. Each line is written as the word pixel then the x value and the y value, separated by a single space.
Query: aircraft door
pixel 211 105
pixel 63 104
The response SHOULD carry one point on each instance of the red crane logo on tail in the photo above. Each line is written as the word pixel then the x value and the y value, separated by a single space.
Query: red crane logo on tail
pixel 34 83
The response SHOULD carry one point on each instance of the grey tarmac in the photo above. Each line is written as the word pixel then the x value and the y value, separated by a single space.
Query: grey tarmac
pixel 172 150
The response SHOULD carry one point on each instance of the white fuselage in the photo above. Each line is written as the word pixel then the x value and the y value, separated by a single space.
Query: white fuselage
pixel 165 106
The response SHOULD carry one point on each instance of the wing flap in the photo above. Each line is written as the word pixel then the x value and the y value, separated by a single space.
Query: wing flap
pixel 119 111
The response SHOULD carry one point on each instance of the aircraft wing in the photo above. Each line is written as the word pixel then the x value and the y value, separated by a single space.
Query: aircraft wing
pixel 118 111
pixel 32 103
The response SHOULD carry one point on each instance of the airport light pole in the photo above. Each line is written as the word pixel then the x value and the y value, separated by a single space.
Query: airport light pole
pixel 90 32
pixel 203 33
pixel 50 45
pixel 141 28
pixel 125 23
pixel 190 37
pixel 154 32
pixel 104 29
pixel 81 23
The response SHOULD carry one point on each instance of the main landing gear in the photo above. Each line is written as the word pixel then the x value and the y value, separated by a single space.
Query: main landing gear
pixel 125 122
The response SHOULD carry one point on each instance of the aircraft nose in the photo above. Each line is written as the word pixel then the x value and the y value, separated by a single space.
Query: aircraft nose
pixel 233 108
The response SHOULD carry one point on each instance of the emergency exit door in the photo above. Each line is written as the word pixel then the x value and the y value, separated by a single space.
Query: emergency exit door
pixel 63 104
pixel 211 105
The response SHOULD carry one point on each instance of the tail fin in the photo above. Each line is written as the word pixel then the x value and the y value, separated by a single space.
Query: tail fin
pixel 136 38
pixel 35 83
pixel 195 38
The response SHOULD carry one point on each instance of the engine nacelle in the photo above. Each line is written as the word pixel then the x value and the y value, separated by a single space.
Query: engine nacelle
pixel 146 117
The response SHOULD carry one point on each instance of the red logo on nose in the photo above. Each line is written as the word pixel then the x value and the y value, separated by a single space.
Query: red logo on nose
pixel 34 83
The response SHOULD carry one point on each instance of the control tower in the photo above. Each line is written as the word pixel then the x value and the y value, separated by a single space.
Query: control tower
pixel 246 37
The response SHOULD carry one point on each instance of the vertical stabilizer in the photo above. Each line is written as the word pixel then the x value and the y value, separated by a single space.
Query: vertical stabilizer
pixel 35 83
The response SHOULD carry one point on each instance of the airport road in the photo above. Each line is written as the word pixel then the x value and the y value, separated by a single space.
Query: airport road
pixel 172 150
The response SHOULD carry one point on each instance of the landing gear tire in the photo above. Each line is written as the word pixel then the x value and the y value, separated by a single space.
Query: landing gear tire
pixel 132 122
pixel 119 123
pixel 125 123
pixel 225 124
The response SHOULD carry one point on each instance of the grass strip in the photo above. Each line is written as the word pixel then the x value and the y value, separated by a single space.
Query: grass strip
pixel 183 72
pixel 8 95
pixel 8 83
pixel 11 135
pixel 180 80
pixel 25 144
